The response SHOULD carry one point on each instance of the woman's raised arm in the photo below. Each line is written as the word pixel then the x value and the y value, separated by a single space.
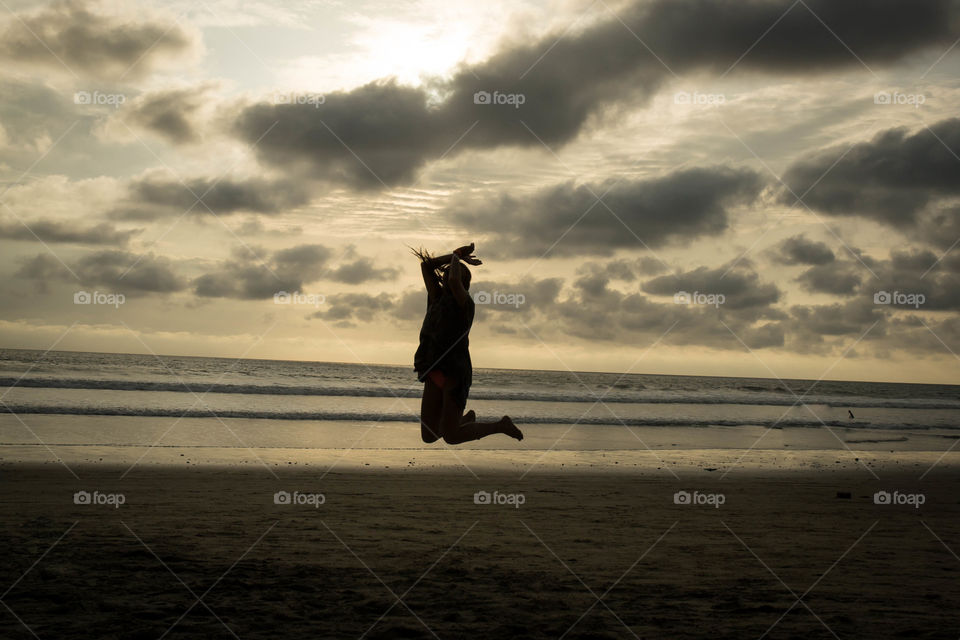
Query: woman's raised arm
pixel 428 267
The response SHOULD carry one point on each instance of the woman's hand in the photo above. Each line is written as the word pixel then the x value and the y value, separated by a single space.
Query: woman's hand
pixel 465 253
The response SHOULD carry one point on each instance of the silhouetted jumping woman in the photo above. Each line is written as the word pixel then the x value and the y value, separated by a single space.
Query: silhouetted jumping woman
pixel 442 360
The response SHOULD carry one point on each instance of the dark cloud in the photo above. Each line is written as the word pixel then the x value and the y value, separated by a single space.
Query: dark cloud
pixel 891 178
pixel 837 278
pixel 120 271
pixel 940 228
pixel 911 334
pixel 799 250
pixel 253 226
pixel 823 328
pixel 246 282
pixel 31 110
pixel 383 133
pixel 802 38
pixel 623 269
pixel 170 114
pixel 567 79
pixel 740 285
pixel 219 284
pixel 155 196
pixel 917 272
pixel 598 306
pixel 346 309
pixel 647 266
pixel 91 43
pixel 631 318
pixel 126 271
pixel 253 273
pixel 33 114
pixel 537 295
pixel 594 309
pixel 593 285
pixel 677 207
pixel 591 310
pixel 362 270
pixel 910 272
pixel 526 295
pixel 915 260
pixel 308 260
pixel 390 128
pixel 54 231
pixel 42 268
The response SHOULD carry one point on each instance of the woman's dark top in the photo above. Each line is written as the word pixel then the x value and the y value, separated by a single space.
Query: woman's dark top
pixel 444 342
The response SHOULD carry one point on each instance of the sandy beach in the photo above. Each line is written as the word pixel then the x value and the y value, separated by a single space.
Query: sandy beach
pixel 554 550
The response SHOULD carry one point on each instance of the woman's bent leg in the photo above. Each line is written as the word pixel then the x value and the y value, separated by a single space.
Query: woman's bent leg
pixel 456 432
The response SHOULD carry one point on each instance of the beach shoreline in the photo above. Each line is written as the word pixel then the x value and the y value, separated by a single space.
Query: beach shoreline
pixel 137 441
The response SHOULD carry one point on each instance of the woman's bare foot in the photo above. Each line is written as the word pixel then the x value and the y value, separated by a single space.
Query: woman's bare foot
pixel 510 429
pixel 468 417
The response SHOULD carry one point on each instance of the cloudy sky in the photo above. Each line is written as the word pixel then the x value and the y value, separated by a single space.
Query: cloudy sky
pixel 719 187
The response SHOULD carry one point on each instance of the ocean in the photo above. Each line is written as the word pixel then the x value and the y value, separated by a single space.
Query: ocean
pixel 103 384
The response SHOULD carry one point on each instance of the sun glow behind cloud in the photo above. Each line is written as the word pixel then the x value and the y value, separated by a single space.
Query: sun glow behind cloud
pixel 411 47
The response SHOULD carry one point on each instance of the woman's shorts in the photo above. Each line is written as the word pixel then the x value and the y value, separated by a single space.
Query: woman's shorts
pixel 437 377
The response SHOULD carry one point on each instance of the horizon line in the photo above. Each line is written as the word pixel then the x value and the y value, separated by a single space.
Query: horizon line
pixel 386 364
